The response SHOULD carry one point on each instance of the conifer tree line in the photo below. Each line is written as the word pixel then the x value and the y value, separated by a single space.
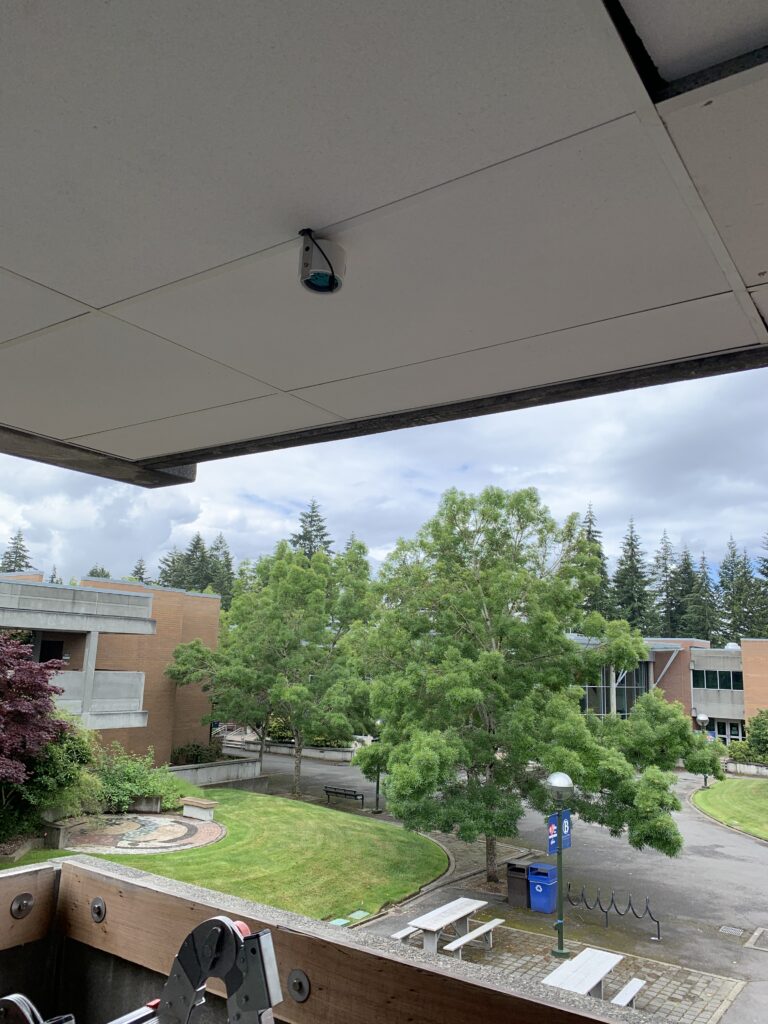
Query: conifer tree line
pixel 198 567
pixel 675 594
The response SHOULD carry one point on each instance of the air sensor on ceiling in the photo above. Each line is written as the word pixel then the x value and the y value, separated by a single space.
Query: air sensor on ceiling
pixel 321 264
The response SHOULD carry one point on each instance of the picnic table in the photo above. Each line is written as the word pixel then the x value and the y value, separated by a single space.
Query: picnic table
pixel 455 914
pixel 585 973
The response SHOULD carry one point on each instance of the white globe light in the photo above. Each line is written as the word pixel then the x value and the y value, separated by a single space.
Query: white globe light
pixel 559 785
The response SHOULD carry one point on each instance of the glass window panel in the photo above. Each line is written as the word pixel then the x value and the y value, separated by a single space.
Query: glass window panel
pixel 725 679
pixel 738 680
pixel 698 678
pixel 721 728
pixel 711 679
pixel 735 730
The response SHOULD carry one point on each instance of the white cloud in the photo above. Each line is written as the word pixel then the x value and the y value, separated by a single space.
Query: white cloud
pixel 685 457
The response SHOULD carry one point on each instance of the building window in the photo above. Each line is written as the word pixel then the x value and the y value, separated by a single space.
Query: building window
pixel 698 679
pixel 726 730
pixel 717 679
pixel 738 680
pixel 724 679
pixel 711 679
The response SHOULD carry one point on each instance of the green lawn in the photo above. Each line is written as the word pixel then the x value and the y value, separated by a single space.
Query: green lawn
pixel 298 856
pixel 742 803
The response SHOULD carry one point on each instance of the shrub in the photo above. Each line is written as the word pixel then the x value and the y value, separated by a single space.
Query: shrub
pixel 197 753
pixel 127 777
pixel 738 750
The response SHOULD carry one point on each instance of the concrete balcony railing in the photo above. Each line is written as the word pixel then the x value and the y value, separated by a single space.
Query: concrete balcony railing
pixel 68 960
pixel 114 702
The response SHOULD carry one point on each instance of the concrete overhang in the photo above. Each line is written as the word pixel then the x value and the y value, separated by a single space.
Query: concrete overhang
pixel 41 606
pixel 538 201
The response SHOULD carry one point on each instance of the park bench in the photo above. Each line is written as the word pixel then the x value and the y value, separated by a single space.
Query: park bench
pixel 405 933
pixel 484 931
pixel 196 807
pixel 345 794
pixel 585 973
pixel 627 995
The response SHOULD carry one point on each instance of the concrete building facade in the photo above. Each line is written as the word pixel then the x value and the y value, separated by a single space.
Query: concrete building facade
pixel 116 639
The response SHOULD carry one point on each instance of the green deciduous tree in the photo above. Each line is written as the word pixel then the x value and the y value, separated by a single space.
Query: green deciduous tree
pixel 99 572
pixel 282 649
pixel 631 584
pixel 312 535
pixel 16 557
pixel 479 685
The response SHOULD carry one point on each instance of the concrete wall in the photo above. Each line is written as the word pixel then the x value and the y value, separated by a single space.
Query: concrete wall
pixel 754 660
pixel 755 770
pixel 216 773
pixel 337 754
pixel 27 604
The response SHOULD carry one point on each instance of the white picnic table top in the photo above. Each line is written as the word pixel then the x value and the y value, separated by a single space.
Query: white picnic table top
pixel 436 920
pixel 584 972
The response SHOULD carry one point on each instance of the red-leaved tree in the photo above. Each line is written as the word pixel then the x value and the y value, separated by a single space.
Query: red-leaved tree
pixel 28 722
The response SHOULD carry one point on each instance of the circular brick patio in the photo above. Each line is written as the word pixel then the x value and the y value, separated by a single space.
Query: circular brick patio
pixel 143 833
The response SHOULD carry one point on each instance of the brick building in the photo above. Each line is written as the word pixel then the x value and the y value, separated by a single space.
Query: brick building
pixel 729 685
pixel 116 639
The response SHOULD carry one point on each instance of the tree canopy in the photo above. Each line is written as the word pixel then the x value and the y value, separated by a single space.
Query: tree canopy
pixel 479 681
pixel 312 535
pixel 16 557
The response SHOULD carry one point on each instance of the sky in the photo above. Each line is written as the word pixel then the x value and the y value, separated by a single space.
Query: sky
pixel 690 458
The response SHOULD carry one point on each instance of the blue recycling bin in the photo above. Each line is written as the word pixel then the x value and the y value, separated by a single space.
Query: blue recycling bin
pixel 542 887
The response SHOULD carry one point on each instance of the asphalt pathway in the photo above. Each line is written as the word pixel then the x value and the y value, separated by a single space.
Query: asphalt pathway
pixel 720 879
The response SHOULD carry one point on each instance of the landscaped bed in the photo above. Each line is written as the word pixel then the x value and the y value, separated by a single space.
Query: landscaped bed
pixel 299 857
pixel 742 803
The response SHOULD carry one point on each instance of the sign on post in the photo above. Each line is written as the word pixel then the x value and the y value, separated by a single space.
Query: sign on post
pixel 552 832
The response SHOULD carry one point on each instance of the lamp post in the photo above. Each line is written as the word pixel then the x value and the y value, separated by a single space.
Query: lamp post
pixel 560 787
pixel 377 809
pixel 703 720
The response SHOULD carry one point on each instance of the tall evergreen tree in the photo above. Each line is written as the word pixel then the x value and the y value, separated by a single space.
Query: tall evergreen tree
pixel 312 535
pixel 761 584
pixel 16 557
pixel 172 570
pixel 662 577
pixel 197 564
pixel 682 588
pixel 139 571
pixel 630 584
pixel 222 572
pixel 54 577
pixel 739 595
pixel 702 617
pixel 601 599
pixel 99 572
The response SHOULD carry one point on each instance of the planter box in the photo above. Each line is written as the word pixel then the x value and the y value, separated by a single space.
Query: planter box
pixel 57 832
pixel 146 805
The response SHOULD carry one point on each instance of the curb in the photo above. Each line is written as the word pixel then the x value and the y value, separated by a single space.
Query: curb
pixel 722 824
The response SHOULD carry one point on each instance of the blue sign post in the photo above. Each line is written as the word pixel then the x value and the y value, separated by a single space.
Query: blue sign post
pixel 552 830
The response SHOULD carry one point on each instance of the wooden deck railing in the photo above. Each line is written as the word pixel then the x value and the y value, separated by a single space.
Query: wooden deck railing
pixel 147 918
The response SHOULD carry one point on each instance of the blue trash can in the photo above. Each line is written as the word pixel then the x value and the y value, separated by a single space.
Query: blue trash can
pixel 542 887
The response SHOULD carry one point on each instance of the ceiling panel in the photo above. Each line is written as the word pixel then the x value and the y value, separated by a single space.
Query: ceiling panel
pixel 675 332
pixel 587 229
pixel 27 307
pixel 155 140
pixel 721 133
pixel 760 297
pixel 94 372
pixel 683 36
pixel 274 414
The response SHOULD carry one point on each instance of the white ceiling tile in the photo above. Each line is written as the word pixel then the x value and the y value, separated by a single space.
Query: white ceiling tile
pixel 683 36
pixel 155 140
pixel 95 372
pixel 721 133
pixel 274 414
pixel 26 306
pixel 587 229
pixel 760 297
pixel 662 335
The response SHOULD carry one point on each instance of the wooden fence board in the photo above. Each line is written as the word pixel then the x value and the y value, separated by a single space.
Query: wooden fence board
pixel 41 880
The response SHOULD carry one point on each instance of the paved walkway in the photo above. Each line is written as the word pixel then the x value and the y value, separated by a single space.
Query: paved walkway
pixel 719 880
pixel 143 833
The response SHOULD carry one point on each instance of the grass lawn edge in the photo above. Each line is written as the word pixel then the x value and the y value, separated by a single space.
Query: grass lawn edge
pixel 719 821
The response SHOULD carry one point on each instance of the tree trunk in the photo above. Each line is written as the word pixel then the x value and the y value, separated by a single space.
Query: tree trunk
pixel 491 866
pixel 262 744
pixel 298 747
